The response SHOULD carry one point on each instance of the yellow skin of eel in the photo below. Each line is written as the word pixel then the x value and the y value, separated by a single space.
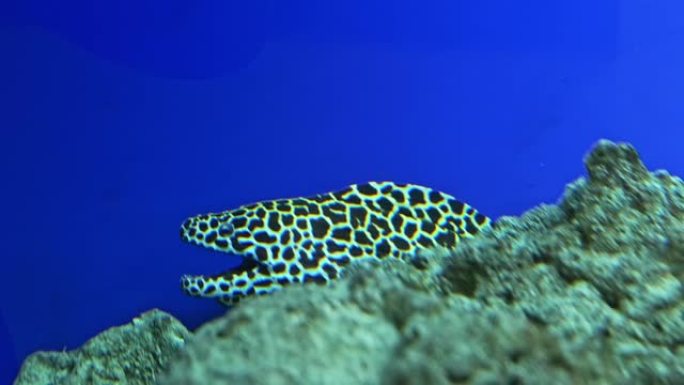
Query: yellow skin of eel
pixel 313 239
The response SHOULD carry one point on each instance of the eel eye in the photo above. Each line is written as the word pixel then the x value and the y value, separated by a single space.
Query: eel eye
pixel 226 229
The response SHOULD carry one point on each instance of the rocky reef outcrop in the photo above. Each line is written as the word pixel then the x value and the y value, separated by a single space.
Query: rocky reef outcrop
pixel 586 291
pixel 132 354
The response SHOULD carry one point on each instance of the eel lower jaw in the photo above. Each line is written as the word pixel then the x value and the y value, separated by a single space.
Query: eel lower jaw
pixel 193 285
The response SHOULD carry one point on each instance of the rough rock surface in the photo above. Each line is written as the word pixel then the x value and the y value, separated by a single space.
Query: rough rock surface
pixel 588 291
pixel 584 292
pixel 132 354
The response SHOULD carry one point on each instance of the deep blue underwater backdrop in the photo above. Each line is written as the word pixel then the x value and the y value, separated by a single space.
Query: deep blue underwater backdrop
pixel 120 119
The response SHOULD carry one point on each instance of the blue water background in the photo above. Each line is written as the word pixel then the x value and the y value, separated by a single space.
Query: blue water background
pixel 119 120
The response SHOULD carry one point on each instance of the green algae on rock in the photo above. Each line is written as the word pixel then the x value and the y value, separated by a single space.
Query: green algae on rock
pixel 586 291
pixel 578 292
pixel 132 354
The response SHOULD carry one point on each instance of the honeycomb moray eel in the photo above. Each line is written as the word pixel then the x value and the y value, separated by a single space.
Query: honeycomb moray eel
pixel 313 239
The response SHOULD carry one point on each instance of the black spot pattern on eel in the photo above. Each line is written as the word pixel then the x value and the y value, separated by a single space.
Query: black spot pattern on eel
pixel 313 239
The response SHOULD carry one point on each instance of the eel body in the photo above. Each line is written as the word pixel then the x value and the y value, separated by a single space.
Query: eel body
pixel 312 239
